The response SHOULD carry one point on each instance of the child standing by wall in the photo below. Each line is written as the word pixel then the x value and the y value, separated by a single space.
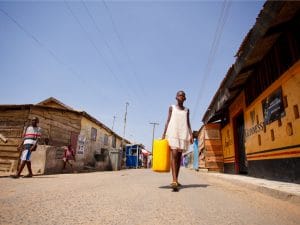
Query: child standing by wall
pixel 179 134
pixel 69 155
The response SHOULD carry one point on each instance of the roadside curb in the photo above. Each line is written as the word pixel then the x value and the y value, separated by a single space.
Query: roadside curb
pixel 281 190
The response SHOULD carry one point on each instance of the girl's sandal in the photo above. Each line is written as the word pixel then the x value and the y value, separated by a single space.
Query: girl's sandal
pixel 178 184
pixel 174 186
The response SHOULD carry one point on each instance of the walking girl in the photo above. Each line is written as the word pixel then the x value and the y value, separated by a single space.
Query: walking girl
pixel 179 134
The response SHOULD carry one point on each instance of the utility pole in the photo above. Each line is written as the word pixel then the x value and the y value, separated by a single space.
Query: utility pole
pixel 154 124
pixel 123 137
pixel 113 123
pixel 124 125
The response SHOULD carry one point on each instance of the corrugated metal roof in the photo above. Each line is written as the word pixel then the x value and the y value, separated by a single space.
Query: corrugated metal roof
pixel 56 101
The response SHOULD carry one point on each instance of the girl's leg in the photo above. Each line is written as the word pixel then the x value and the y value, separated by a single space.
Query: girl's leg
pixel 174 164
pixel 178 160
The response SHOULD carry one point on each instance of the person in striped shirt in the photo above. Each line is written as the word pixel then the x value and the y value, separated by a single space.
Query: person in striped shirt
pixel 28 145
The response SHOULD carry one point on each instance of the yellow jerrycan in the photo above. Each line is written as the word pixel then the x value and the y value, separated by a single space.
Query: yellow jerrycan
pixel 161 156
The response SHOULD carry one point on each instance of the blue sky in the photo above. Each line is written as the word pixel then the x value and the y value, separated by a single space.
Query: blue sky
pixel 97 55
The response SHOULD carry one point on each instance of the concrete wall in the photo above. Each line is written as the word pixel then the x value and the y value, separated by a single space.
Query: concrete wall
pixel 94 150
pixel 48 160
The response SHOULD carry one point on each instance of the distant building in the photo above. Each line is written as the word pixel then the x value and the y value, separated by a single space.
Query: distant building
pixel 257 103
pixel 61 125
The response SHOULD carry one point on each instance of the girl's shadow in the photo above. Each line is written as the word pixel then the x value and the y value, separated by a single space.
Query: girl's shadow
pixel 186 186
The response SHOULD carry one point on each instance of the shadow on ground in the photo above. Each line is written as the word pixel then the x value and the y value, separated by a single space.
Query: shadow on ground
pixel 43 177
pixel 186 186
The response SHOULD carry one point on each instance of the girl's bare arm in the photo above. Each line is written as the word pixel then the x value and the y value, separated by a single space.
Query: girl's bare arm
pixel 189 126
pixel 167 123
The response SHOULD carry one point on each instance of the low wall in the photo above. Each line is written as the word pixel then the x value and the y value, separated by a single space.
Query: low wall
pixel 48 160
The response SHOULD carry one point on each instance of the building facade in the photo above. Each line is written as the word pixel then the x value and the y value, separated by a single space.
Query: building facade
pixel 61 125
pixel 257 103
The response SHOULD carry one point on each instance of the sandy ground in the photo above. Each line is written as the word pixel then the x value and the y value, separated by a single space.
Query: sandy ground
pixel 137 196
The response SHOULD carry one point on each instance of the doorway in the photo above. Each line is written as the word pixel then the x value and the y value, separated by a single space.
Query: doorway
pixel 240 154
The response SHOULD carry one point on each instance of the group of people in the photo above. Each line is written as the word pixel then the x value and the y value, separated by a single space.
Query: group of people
pixel 29 144
pixel 177 131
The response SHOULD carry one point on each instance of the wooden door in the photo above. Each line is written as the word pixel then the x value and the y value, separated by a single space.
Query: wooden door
pixel 241 159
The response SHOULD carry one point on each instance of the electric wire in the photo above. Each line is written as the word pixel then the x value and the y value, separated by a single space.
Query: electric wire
pixel 134 73
pixel 95 46
pixel 42 46
pixel 107 44
pixel 212 54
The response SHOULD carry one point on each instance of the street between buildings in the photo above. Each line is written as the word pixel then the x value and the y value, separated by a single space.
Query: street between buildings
pixel 138 196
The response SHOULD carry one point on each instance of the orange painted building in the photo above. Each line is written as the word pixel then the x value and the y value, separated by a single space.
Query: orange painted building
pixel 258 102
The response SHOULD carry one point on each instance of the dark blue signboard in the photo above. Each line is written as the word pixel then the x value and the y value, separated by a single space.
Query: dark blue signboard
pixel 273 108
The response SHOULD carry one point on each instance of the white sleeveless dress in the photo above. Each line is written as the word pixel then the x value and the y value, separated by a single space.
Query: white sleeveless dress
pixel 177 133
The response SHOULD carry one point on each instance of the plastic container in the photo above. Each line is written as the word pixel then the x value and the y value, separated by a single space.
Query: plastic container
pixel 161 156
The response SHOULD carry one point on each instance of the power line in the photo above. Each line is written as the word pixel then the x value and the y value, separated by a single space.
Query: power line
pixel 42 46
pixel 142 89
pixel 213 50
pixel 105 42
pixel 93 44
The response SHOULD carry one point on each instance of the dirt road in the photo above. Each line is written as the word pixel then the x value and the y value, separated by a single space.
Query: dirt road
pixel 137 196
